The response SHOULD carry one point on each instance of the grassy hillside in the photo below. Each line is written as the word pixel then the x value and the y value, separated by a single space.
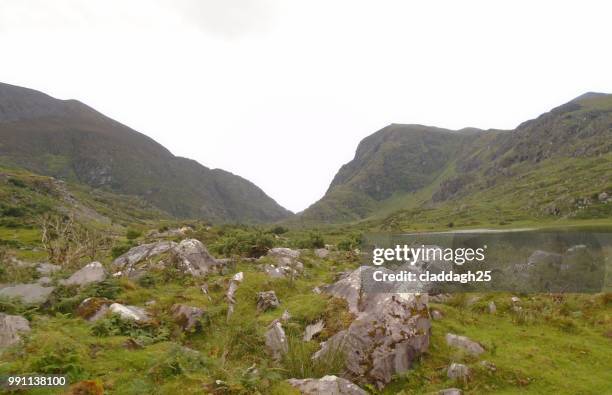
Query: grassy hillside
pixel 70 141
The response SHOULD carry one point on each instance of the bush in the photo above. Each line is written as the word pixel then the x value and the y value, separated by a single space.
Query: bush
pixel 350 243
pixel 279 230
pixel 313 240
pixel 132 234
pixel 143 333
pixel 17 182
pixel 252 244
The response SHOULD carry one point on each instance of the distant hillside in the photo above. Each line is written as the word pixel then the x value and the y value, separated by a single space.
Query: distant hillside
pixel 554 166
pixel 71 141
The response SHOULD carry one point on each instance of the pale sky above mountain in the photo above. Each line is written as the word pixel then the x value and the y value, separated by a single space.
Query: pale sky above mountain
pixel 281 92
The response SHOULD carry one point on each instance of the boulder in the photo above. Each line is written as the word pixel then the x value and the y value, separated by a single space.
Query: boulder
pixel 92 309
pixel 349 288
pixel 280 252
pixel 27 293
pixel 492 307
pixel 11 328
pixel 91 273
pixel 267 300
pixel 47 268
pixel 326 385
pixel 464 343
pixel 321 252
pixel 436 315
pixel 450 391
pixel 132 313
pixel 194 258
pixel 603 197
pixel 313 330
pixel 387 336
pixel 142 252
pixel 457 371
pixel 188 317
pixel 276 340
pixel 231 293
pixel 190 255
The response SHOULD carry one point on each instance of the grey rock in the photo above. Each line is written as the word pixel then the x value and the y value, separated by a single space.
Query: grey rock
pixel 276 340
pixel 27 293
pixel 44 281
pixel 142 252
pixel 436 315
pixel 464 343
pixel 492 307
pixel 267 300
pixel 132 313
pixel 91 273
pixel 348 288
pixel 231 292
pixel 195 258
pixel 457 371
pixel 281 252
pixel 92 309
pixel 188 317
pixel 385 338
pixel 47 268
pixel 11 328
pixel 321 252
pixel 286 316
pixel 603 197
pixel 450 391
pixel 313 330
pixel 326 385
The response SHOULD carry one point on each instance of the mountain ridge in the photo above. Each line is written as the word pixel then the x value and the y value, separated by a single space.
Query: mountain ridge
pixel 70 140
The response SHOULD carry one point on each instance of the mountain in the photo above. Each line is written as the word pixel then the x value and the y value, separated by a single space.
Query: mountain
pixel 68 140
pixel 556 165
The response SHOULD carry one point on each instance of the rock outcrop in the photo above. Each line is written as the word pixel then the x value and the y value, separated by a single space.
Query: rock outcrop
pixel 27 293
pixel 464 343
pixel 190 256
pixel 91 273
pixel 391 330
pixel 326 385
pixel 132 313
pixel 188 317
pixel 267 300
pixel 11 328
pixel 276 340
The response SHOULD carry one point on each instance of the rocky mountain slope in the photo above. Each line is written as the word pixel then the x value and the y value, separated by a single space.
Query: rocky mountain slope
pixel 71 141
pixel 556 165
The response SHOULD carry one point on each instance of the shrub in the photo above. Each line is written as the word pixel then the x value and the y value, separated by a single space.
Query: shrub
pixel 279 230
pixel 350 242
pixel 251 244
pixel 132 234
pixel 179 360
pixel 63 360
pixel 313 240
pixel 17 182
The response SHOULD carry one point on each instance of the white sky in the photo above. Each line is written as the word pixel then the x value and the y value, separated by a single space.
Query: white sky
pixel 281 92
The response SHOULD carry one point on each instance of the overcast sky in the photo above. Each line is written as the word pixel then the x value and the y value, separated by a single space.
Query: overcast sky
pixel 281 92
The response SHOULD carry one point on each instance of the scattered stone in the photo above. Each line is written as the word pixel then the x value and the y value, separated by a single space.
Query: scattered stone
pixel 188 317
pixel 276 340
pixel 267 300
pixel 515 299
pixel 286 263
pixel 321 252
pixel 492 307
pixel 27 293
pixel 436 315
pixel 317 290
pixel 313 330
pixel 458 371
pixel 92 273
pixel 44 281
pixel 488 365
pixel 11 328
pixel 47 268
pixel 450 391
pixel 133 313
pixel 464 343
pixel 133 344
pixel 92 309
pixel 440 298
pixel 231 291
pixel 326 385
pixel 142 252
pixel 603 197
pixel 280 252
pixel 286 316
